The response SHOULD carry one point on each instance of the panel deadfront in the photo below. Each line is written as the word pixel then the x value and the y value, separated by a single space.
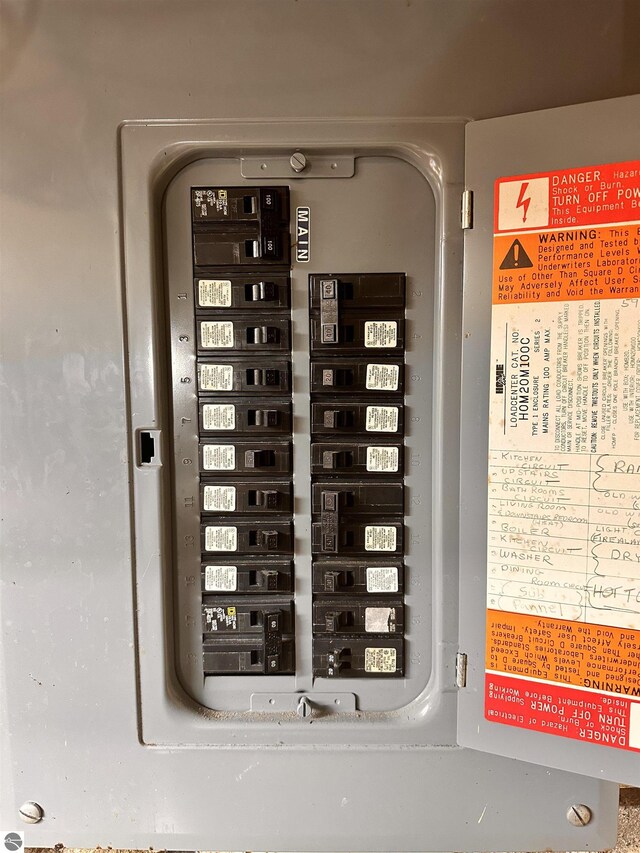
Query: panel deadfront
pixel 299 319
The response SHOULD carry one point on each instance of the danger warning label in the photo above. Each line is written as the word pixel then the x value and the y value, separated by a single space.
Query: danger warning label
pixel 563 562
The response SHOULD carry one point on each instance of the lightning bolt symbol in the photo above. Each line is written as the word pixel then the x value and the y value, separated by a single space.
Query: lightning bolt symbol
pixel 522 201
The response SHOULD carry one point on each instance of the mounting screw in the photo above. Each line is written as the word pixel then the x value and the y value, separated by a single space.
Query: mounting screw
pixel 579 815
pixel 31 812
pixel 298 161
pixel 304 708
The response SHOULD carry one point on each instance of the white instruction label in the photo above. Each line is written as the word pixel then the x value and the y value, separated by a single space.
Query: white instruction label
pixel 216 377
pixel 379 620
pixel 216 334
pixel 564 458
pixel 219 416
pixel 379 334
pixel 214 293
pixel 219 457
pixel 382 459
pixel 220 578
pixel 382 419
pixel 221 538
pixel 379 660
pixel 382 377
pixel 382 579
pixel 379 538
pixel 219 498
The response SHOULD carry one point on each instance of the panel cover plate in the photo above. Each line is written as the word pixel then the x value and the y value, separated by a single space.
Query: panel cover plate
pixel 555 530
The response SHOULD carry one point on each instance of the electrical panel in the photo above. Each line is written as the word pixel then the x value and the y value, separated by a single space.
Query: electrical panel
pixel 259 561
pixel 299 415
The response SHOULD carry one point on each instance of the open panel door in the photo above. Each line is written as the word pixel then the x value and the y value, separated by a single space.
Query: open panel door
pixel 550 520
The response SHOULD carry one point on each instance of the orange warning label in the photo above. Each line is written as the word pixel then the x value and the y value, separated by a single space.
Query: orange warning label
pixel 581 263
pixel 563 512
pixel 594 656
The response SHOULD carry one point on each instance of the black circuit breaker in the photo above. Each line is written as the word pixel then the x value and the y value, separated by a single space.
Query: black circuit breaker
pixel 357 424
pixel 240 226
pixel 246 575
pixel 242 289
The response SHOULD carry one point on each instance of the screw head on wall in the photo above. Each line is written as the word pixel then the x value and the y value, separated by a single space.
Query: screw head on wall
pixel 31 812
pixel 298 161
pixel 579 815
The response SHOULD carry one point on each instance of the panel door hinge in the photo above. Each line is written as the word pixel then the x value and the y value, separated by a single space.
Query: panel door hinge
pixel 461 669
pixel 466 211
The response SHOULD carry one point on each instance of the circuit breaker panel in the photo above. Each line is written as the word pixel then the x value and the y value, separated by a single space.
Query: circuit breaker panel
pixel 357 491
pixel 299 411
pixel 242 300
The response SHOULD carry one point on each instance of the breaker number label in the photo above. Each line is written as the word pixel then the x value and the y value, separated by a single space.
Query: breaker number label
pixel 381 334
pixel 220 578
pixel 382 377
pixel 382 459
pixel 214 293
pixel 563 562
pixel 382 419
pixel 216 377
pixel 219 416
pixel 219 457
pixel 219 498
pixel 379 660
pixel 221 538
pixel 216 334
pixel 379 538
pixel 382 579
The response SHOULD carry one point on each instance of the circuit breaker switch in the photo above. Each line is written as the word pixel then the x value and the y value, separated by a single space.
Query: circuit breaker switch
pixel 332 622
pixel 263 335
pixel 331 581
pixel 263 291
pixel 263 376
pixel 338 418
pixel 334 460
pixel 264 417
pixel 329 310
pixel 266 498
pixel 268 539
pixel 330 501
pixel 273 622
pixel 273 640
pixel 252 248
pixel 270 580
pixel 336 377
pixel 259 458
pixel 330 522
